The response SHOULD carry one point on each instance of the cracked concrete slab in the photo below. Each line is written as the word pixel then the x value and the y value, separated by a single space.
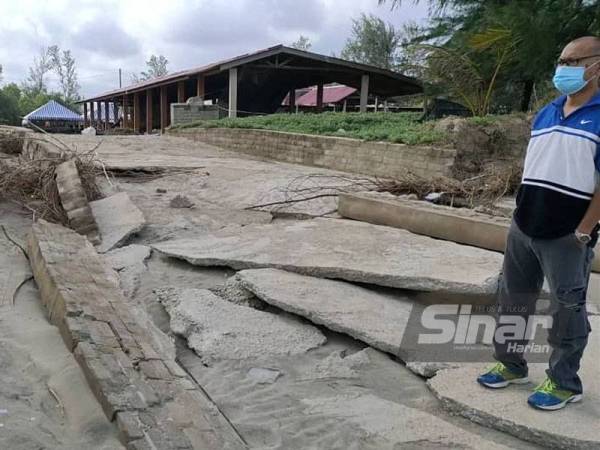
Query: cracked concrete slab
pixel 343 249
pixel 376 319
pixel 217 329
pixel 117 218
pixel 130 263
pixel 575 427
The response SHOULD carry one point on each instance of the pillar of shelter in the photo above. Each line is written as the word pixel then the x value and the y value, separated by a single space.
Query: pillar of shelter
pixel 292 100
pixel 364 93
pixel 106 115
pixel 181 92
pixel 149 122
pixel 124 123
pixel 85 115
pixel 320 97
pixel 136 112
pixel 92 118
pixel 200 86
pixel 233 91
pixel 163 108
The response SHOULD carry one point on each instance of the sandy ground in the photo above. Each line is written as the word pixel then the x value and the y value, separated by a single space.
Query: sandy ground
pixel 342 395
pixel 45 402
pixel 307 404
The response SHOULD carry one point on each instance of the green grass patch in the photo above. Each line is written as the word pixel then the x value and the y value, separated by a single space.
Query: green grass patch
pixel 391 127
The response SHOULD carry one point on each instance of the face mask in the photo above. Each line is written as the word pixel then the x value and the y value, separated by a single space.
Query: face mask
pixel 570 80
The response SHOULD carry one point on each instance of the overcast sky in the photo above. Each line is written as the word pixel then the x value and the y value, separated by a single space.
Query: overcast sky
pixel 105 35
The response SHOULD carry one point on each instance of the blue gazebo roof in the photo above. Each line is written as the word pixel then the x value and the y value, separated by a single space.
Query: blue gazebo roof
pixel 54 111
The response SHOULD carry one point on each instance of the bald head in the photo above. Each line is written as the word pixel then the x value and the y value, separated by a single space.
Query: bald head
pixel 587 45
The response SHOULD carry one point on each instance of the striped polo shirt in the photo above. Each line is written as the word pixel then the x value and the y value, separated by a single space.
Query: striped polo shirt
pixel 561 170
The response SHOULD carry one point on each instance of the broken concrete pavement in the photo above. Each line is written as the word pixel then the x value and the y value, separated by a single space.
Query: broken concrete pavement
pixel 135 385
pixel 347 250
pixel 575 427
pixel 373 318
pixel 117 218
pixel 217 329
pixel 74 201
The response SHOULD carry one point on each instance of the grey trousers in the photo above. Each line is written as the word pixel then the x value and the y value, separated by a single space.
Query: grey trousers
pixel 566 264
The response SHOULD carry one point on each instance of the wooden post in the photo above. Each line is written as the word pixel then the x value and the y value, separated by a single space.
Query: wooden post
pixel 163 108
pixel 320 97
pixel 292 100
pixel 124 122
pixel 149 122
pixel 200 87
pixel 181 92
pixel 107 115
pixel 92 118
pixel 136 113
pixel 233 92
pixel 85 115
pixel 364 93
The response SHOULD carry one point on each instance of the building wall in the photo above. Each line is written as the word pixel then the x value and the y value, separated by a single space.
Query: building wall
pixel 379 159
pixel 186 113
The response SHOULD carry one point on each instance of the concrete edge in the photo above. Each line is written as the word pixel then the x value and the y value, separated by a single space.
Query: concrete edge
pixel 479 230
pixel 153 401
pixel 547 440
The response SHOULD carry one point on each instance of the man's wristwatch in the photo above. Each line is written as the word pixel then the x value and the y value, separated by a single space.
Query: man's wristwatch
pixel 583 237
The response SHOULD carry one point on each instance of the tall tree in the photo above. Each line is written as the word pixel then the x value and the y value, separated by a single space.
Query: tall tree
pixel 156 67
pixel 42 64
pixel 303 43
pixel 540 28
pixel 372 42
pixel 63 64
pixel 9 105
pixel 0 72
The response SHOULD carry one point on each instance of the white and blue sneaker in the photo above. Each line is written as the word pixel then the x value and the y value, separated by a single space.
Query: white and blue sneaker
pixel 549 397
pixel 500 376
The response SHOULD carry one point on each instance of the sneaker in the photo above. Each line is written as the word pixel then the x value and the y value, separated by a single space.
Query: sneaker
pixel 500 376
pixel 549 397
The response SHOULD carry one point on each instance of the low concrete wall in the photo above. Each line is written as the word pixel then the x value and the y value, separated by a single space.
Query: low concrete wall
pixel 380 159
pixel 443 222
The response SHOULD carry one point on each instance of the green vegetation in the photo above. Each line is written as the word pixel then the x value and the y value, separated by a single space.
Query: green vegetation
pixel 16 102
pixel 393 127
pixel 500 55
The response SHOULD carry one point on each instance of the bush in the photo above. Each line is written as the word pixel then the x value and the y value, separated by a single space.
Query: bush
pixel 392 127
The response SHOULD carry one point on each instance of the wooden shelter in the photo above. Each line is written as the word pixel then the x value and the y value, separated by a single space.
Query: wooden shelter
pixel 254 83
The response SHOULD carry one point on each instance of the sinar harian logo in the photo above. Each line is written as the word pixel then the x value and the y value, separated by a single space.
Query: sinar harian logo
pixel 456 324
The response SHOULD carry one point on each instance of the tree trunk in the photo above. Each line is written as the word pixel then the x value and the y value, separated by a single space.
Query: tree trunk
pixel 527 92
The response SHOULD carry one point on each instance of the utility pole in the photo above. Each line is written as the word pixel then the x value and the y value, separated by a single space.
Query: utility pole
pixel 120 82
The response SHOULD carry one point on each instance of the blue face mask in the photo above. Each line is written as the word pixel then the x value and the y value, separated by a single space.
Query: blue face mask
pixel 570 80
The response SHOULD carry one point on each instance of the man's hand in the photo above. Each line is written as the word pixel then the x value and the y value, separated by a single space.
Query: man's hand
pixel 592 215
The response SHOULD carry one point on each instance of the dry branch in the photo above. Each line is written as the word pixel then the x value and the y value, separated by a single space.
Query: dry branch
pixel 32 184
pixel 485 189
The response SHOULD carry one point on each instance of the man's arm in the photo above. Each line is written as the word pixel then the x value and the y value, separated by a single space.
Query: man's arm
pixel 592 215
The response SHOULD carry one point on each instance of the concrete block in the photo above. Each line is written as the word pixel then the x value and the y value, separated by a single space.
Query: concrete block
pixel 74 200
pixel 347 250
pixel 118 218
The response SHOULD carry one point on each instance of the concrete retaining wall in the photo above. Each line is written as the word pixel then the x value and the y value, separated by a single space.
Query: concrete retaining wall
pixel 381 159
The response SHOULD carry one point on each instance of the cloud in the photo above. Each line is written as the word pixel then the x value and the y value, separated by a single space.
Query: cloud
pixel 105 38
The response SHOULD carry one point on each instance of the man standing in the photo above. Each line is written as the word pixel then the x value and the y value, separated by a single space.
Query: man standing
pixel 554 230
